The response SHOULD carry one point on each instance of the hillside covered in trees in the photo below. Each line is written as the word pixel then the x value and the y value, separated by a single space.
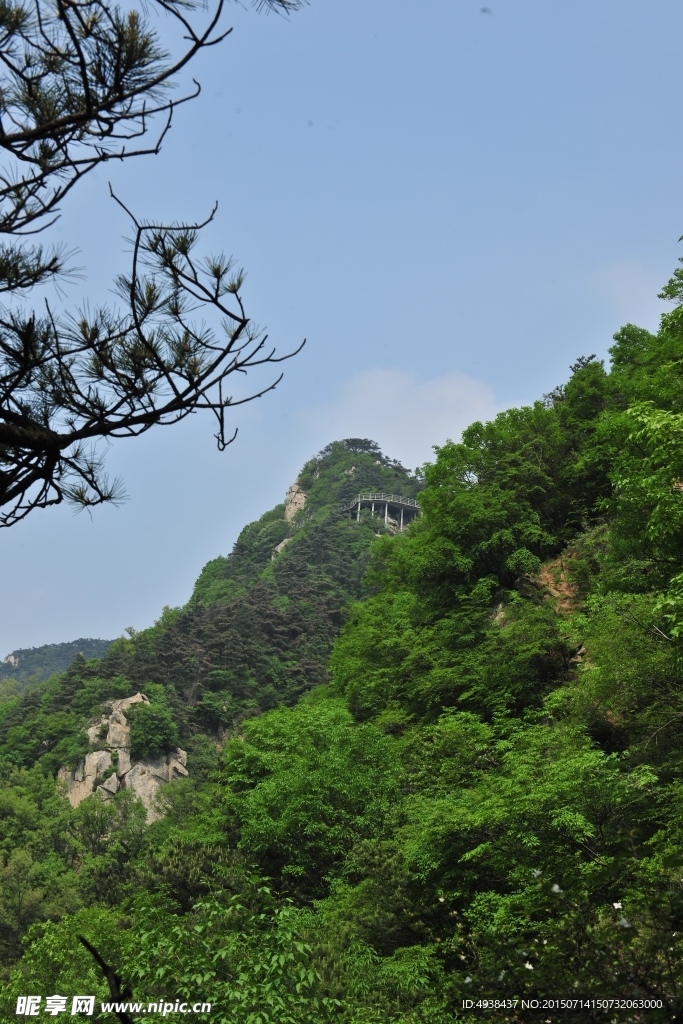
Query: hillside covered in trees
pixel 43 662
pixel 427 768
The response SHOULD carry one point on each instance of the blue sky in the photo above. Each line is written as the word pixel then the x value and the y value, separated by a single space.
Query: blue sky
pixel 450 205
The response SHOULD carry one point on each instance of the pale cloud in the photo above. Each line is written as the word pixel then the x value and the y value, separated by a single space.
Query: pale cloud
pixel 404 415
pixel 632 290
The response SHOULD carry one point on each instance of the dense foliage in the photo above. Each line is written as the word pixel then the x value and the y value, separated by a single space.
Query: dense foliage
pixel 478 796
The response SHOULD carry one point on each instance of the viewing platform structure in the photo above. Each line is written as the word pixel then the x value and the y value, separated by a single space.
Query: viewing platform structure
pixel 405 509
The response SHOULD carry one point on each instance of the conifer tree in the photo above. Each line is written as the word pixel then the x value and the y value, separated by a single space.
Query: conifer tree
pixel 83 82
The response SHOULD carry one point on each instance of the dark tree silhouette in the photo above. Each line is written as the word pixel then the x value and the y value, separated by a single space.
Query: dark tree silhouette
pixel 82 82
pixel 113 980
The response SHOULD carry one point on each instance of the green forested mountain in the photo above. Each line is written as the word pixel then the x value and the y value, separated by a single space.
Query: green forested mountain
pixel 42 662
pixel 426 769
pixel 256 633
pixel 259 627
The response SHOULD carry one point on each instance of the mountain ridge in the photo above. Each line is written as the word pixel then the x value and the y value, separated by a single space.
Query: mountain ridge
pixel 256 632
pixel 43 661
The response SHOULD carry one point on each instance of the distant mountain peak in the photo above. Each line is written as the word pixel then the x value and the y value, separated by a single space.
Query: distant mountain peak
pixel 42 662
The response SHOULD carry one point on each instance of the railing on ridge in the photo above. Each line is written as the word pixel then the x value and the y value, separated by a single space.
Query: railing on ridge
pixel 392 499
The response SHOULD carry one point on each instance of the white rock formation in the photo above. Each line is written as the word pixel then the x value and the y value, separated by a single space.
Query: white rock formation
pixel 125 702
pixel 118 734
pixel 295 501
pixel 278 548
pixel 143 777
pixel 109 786
pixel 124 761
pixel 96 763
pixel 176 770
pixel 94 730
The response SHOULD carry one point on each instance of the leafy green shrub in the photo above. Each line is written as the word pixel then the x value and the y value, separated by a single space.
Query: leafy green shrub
pixel 55 961
pixel 523 561
pixel 202 756
pixel 251 961
pixel 152 730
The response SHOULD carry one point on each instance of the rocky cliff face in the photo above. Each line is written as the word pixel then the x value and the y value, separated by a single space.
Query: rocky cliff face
pixel 295 501
pixel 109 768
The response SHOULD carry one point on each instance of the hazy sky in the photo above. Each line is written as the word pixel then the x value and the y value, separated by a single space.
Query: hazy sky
pixel 451 205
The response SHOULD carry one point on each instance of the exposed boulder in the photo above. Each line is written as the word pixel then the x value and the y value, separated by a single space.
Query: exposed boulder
pixel 123 704
pixel 97 763
pixel 118 734
pixel 295 501
pixel 279 547
pixel 123 761
pixel 108 787
pixel 81 781
pixel 143 777
pixel 176 770
pixel 95 730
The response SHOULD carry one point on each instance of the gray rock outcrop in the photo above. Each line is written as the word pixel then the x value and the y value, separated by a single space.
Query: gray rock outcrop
pixel 279 547
pixel 295 501
pixel 118 734
pixel 111 768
